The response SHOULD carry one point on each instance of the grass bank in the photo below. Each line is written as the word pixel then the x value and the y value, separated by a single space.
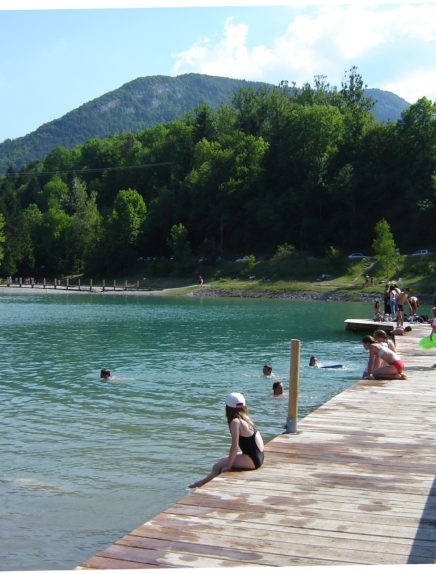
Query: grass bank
pixel 341 279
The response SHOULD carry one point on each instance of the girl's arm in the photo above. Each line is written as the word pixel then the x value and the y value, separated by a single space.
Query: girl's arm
pixel 234 430
pixel 372 361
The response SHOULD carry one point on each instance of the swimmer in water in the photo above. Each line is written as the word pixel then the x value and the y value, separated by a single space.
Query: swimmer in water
pixel 313 362
pixel 105 374
pixel 278 391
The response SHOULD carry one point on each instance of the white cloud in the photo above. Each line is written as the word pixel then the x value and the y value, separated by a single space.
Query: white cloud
pixel 327 41
pixel 416 84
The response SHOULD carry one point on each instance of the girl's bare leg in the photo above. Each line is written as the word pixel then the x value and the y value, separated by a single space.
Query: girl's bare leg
pixel 216 470
pixel 388 373
pixel 242 462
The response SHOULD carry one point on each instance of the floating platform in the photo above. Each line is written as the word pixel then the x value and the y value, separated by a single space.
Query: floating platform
pixel 368 325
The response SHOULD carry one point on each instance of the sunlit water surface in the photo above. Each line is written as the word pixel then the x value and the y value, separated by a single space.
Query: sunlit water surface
pixel 84 461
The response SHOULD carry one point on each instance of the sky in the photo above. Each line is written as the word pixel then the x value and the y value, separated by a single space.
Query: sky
pixel 56 55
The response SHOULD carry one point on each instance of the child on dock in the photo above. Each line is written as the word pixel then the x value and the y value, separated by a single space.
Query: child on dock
pixel 245 435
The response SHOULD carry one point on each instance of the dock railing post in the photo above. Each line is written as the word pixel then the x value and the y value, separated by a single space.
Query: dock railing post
pixel 294 378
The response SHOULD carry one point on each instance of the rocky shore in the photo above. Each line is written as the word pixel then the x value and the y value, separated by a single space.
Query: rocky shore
pixel 335 295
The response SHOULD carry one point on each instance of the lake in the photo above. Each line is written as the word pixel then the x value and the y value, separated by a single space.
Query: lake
pixel 83 461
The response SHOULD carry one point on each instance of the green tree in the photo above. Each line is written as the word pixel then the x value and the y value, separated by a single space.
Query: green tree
pixel 85 230
pixel 385 249
pixel 2 237
pixel 54 227
pixel 124 226
pixel 179 244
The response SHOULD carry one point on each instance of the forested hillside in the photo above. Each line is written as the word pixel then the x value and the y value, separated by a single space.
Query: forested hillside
pixel 275 170
pixel 143 103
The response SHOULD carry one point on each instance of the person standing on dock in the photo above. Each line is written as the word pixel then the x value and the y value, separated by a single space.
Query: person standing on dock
pixel 402 299
pixel 386 301
pixel 244 435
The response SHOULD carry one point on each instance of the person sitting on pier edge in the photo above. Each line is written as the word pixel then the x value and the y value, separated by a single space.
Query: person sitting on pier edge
pixel 379 353
pixel 278 390
pixel 245 435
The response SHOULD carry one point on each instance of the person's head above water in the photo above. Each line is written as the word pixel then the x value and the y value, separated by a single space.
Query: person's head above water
pixel 267 370
pixel 277 388
pixel 105 374
pixel 313 361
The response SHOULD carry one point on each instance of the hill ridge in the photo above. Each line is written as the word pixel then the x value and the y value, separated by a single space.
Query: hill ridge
pixel 143 103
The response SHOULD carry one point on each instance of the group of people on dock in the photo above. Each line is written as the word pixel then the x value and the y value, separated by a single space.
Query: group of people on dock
pixel 395 300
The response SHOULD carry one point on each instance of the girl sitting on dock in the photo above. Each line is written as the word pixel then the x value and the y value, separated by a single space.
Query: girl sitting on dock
pixel 383 363
pixel 245 435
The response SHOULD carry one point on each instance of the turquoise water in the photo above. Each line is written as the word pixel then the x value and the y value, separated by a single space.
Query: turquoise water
pixel 83 460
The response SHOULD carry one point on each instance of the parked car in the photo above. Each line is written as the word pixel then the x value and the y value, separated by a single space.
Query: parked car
pixel 356 256
pixel 422 252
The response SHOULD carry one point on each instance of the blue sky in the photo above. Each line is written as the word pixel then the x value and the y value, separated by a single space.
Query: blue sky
pixel 54 60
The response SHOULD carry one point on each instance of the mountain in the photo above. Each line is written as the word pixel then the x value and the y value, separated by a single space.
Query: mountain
pixel 387 106
pixel 141 104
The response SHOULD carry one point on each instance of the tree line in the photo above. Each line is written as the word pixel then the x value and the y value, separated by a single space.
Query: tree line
pixel 307 168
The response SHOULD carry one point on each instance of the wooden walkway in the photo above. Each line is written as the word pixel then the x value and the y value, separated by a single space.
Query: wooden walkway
pixel 355 485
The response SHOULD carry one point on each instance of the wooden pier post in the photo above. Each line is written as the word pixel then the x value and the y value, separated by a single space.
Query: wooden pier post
pixel 294 379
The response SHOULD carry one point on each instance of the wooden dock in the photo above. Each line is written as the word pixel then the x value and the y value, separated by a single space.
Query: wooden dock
pixel 368 325
pixel 355 485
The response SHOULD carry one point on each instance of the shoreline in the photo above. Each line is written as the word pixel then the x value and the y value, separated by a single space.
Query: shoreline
pixel 84 290
pixel 333 296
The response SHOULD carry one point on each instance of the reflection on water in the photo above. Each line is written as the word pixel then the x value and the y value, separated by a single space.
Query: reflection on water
pixel 86 460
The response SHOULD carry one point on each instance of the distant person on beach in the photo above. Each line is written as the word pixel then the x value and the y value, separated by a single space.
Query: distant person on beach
pixel 278 390
pixel 383 363
pixel 244 435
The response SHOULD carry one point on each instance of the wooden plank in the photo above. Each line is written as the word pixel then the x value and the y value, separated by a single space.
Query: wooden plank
pixel 354 485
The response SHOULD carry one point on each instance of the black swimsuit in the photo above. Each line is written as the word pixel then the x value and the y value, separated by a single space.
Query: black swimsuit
pixel 249 447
